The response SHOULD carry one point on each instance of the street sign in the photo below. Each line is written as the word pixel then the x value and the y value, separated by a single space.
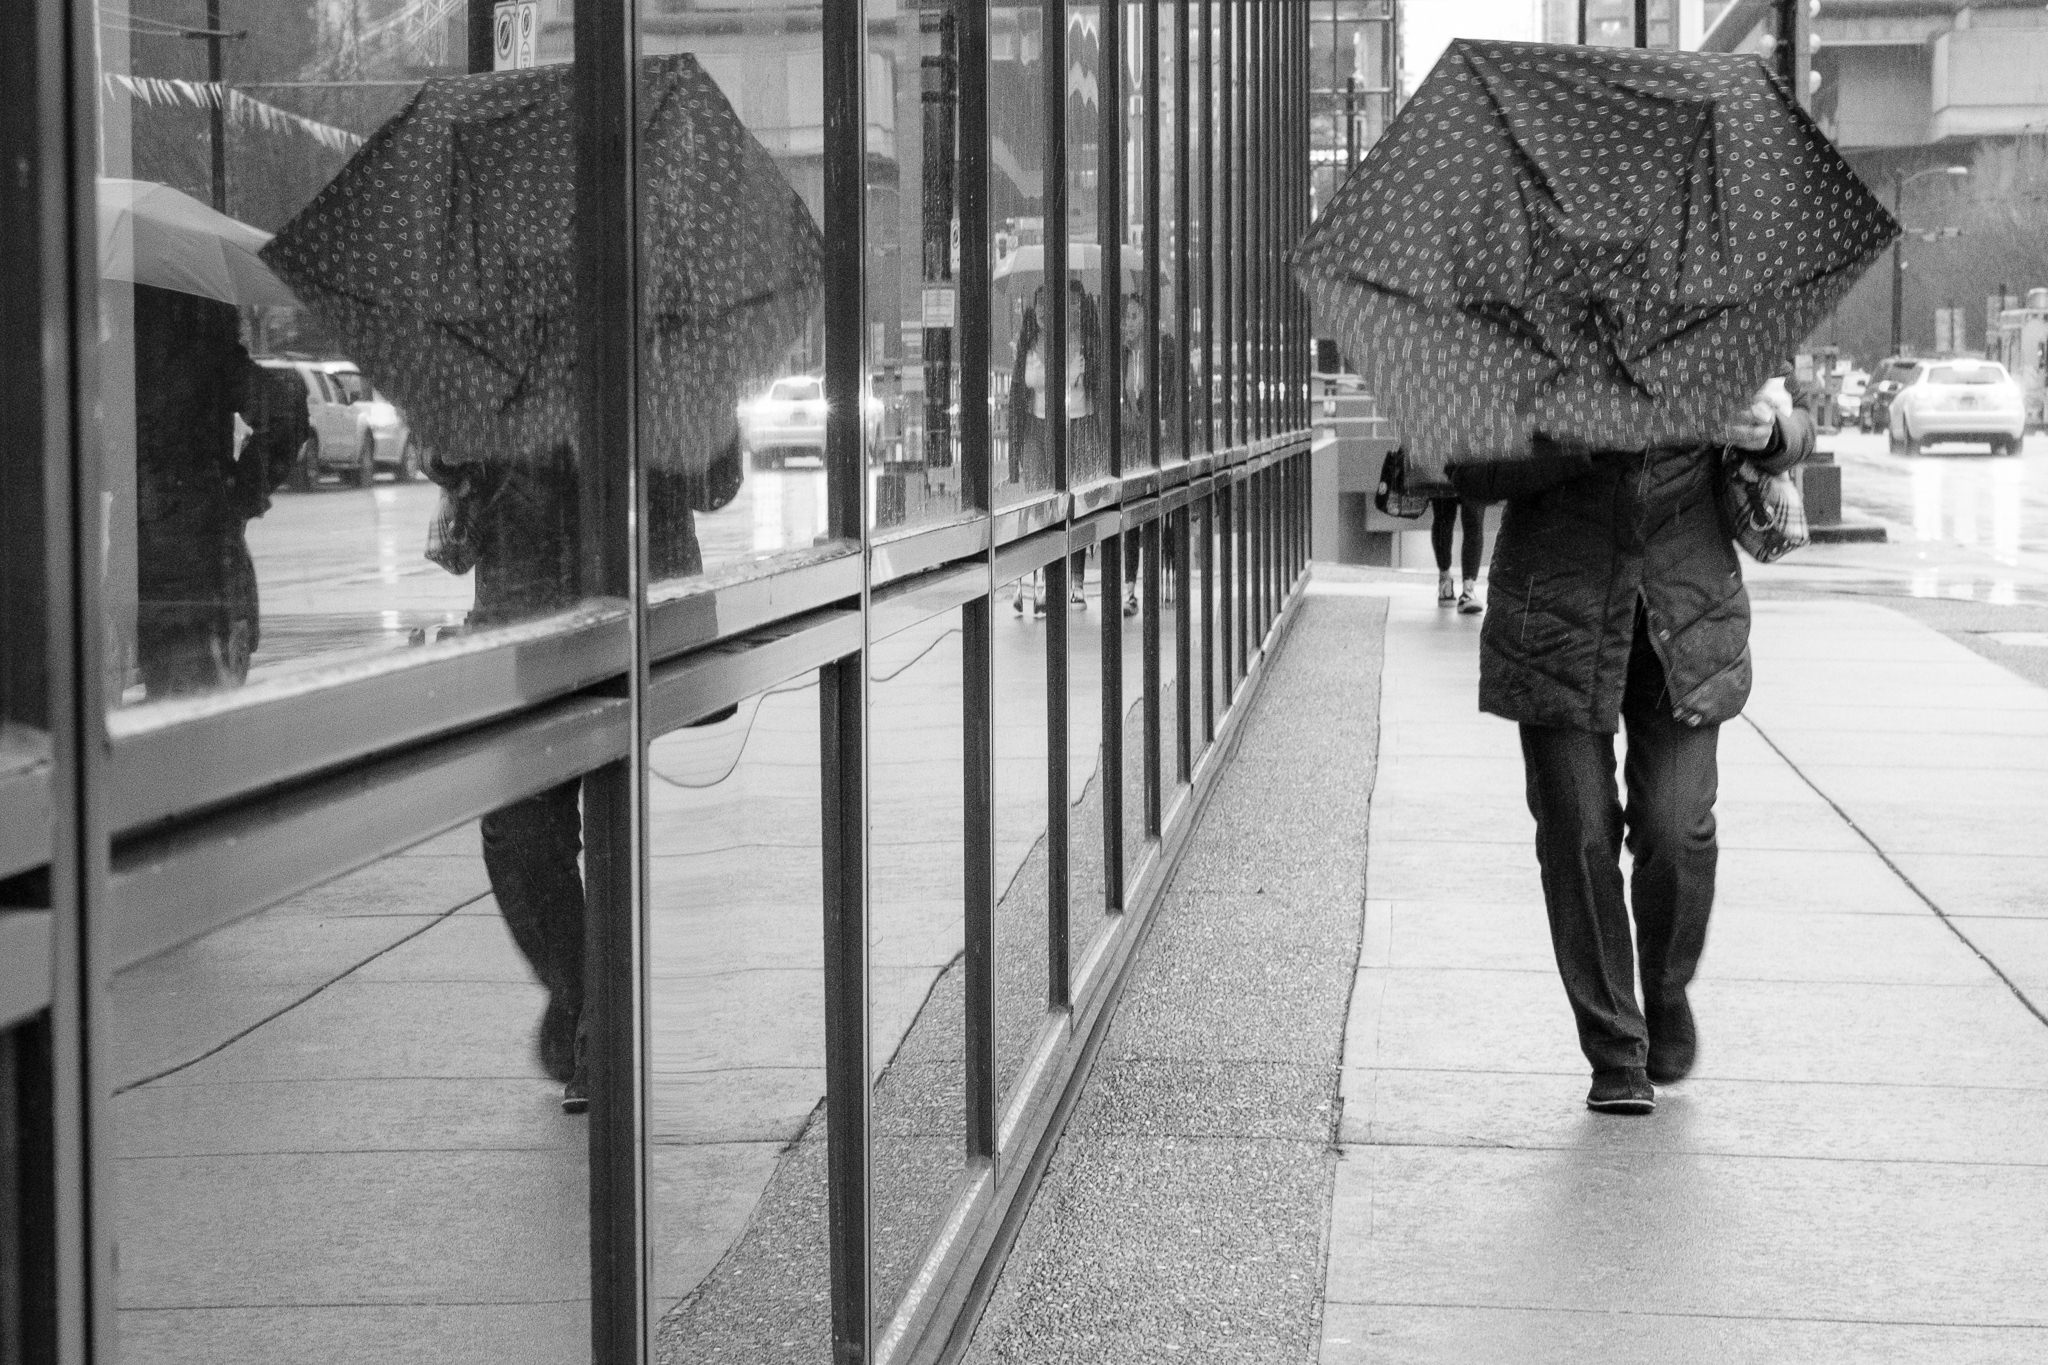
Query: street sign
pixel 515 34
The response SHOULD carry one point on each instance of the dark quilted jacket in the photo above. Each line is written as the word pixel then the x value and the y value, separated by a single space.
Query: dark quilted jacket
pixel 1573 561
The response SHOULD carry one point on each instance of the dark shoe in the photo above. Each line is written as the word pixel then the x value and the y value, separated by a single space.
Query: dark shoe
pixel 1624 1090
pixel 576 1094
pixel 1674 1042
pixel 556 1043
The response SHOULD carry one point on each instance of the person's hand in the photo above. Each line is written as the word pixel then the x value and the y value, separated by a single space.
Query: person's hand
pixel 1754 428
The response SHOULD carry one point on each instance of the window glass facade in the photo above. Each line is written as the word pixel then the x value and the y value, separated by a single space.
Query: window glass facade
pixel 612 618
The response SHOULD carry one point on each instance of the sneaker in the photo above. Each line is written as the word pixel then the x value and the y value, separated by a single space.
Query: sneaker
pixel 1017 602
pixel 1468 601
pixel 1622 1090
pixel 1131 602
pixel 1674 1041
pixel 1446 590
pixel 1078 598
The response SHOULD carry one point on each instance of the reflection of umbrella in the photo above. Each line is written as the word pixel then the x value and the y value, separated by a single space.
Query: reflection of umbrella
pixel 443 254
pixel 1023 270
pixel 1610 247
pixel 152 234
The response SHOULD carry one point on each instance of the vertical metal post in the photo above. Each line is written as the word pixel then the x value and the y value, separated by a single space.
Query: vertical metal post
pixel 55 167
pixel 1226 263
pixel 1206 62
pixel 1582 21
pixel 1183 647
pixel 1898 268
pixel 1642 23
pixel 1205 524
pixel 1154 265
pixel 1112 227
pixel 217 116
pixel 1154 802
pixel 1053 62
pixel 842 701
pixel 613 565
pixel 1183 238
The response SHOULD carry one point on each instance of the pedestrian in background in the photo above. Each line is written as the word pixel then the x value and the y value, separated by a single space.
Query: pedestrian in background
pixel 1447 514
pixel 1618 605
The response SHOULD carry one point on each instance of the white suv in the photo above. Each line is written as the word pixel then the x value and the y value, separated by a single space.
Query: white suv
pixel 1958 400
pixel 356 431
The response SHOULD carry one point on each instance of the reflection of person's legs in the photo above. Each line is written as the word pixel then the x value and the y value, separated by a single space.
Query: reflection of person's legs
pixel 1578 845
pixel 530 852
pixel 1077 578
pixel 1131 543
pixel 1443 524
pixel 526 566
pixel 1672 775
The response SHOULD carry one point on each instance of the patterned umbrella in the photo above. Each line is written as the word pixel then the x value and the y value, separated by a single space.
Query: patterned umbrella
pixel 443 255
pixel 1612 248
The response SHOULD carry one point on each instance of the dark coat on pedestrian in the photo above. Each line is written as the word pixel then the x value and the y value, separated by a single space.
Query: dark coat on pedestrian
pixel 1576 559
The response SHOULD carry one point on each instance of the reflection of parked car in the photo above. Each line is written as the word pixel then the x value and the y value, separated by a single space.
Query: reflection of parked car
pixel 356 431
pixel 1959 400
pixel 787 421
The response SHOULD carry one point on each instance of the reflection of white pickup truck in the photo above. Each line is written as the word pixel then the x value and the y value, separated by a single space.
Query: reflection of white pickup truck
pixel 356 431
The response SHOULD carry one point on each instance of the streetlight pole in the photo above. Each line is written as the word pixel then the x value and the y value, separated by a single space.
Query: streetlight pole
pixel 1899 184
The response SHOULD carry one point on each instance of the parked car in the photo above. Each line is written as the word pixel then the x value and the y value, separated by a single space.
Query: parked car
pixel 1891 374
pixel 1850 398
pixel 1958 400
pixel 356 430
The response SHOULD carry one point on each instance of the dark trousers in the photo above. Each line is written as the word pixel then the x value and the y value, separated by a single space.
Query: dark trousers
pixel 1668 824
pixel 1448 515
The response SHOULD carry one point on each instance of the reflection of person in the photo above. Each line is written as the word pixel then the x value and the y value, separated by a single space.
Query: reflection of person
pixel 1447 515
pixel 1618 604
pixel 517 526
pixel 1030 453
pixel 197 621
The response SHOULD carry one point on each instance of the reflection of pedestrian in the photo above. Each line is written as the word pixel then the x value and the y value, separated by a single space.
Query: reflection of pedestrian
pixel 1618 604
pixel 1447 515
pixel 516 524
pixel 1030 451
pixel 197 619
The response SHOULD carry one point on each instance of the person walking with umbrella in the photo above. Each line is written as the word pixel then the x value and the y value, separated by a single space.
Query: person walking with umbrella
pixel 1569 271
pixel 444 255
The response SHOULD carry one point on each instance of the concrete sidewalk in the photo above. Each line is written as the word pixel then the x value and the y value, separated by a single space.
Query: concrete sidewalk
pixel 1859 1169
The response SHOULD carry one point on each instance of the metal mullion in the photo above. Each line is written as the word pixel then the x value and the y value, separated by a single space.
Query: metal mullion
pixel 1109 189
pixel 1207 514
pixel 613 564
pixel 1111 655
pixel 1155 803
pixel 62 155
pixel 977 472
pixel 1246 609
pixel 843 687
pixel 978 758
pixel 1183 644
pixel 1053 65
pixel 1150 208
pixel 1226 310
pixel 842 702
pixel 1261 201
pixel 1183 238
pixel 1206 102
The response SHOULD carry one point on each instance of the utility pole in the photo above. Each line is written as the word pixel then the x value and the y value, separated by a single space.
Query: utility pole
pixel 219 129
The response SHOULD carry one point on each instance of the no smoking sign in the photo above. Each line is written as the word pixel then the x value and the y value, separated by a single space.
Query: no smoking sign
pixel 515 34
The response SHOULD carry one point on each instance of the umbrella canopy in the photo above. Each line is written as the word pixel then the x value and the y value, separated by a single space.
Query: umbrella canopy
pixel 443 254
pixel 1610 248
pixel 152 234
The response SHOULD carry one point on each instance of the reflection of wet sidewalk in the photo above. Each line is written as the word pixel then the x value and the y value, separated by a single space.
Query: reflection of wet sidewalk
pixel 1859 1169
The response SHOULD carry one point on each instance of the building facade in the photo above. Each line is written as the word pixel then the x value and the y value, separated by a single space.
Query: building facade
pixel 613 618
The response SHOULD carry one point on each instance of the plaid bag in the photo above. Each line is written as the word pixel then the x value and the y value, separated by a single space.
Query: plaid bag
pixel 1766 514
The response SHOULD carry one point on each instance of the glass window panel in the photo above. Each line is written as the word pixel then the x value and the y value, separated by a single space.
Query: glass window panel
pixel 917 896
pixel 732 340
pixel 1133 373
pixel 333 1137
pixel 1088 904
pixel 1091 221
pixel 1023 879
pixel 1170 323
pixel 275 428
pixel 1020 353
pixel 913 106
pixel 736 1028
pixel 1201 625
